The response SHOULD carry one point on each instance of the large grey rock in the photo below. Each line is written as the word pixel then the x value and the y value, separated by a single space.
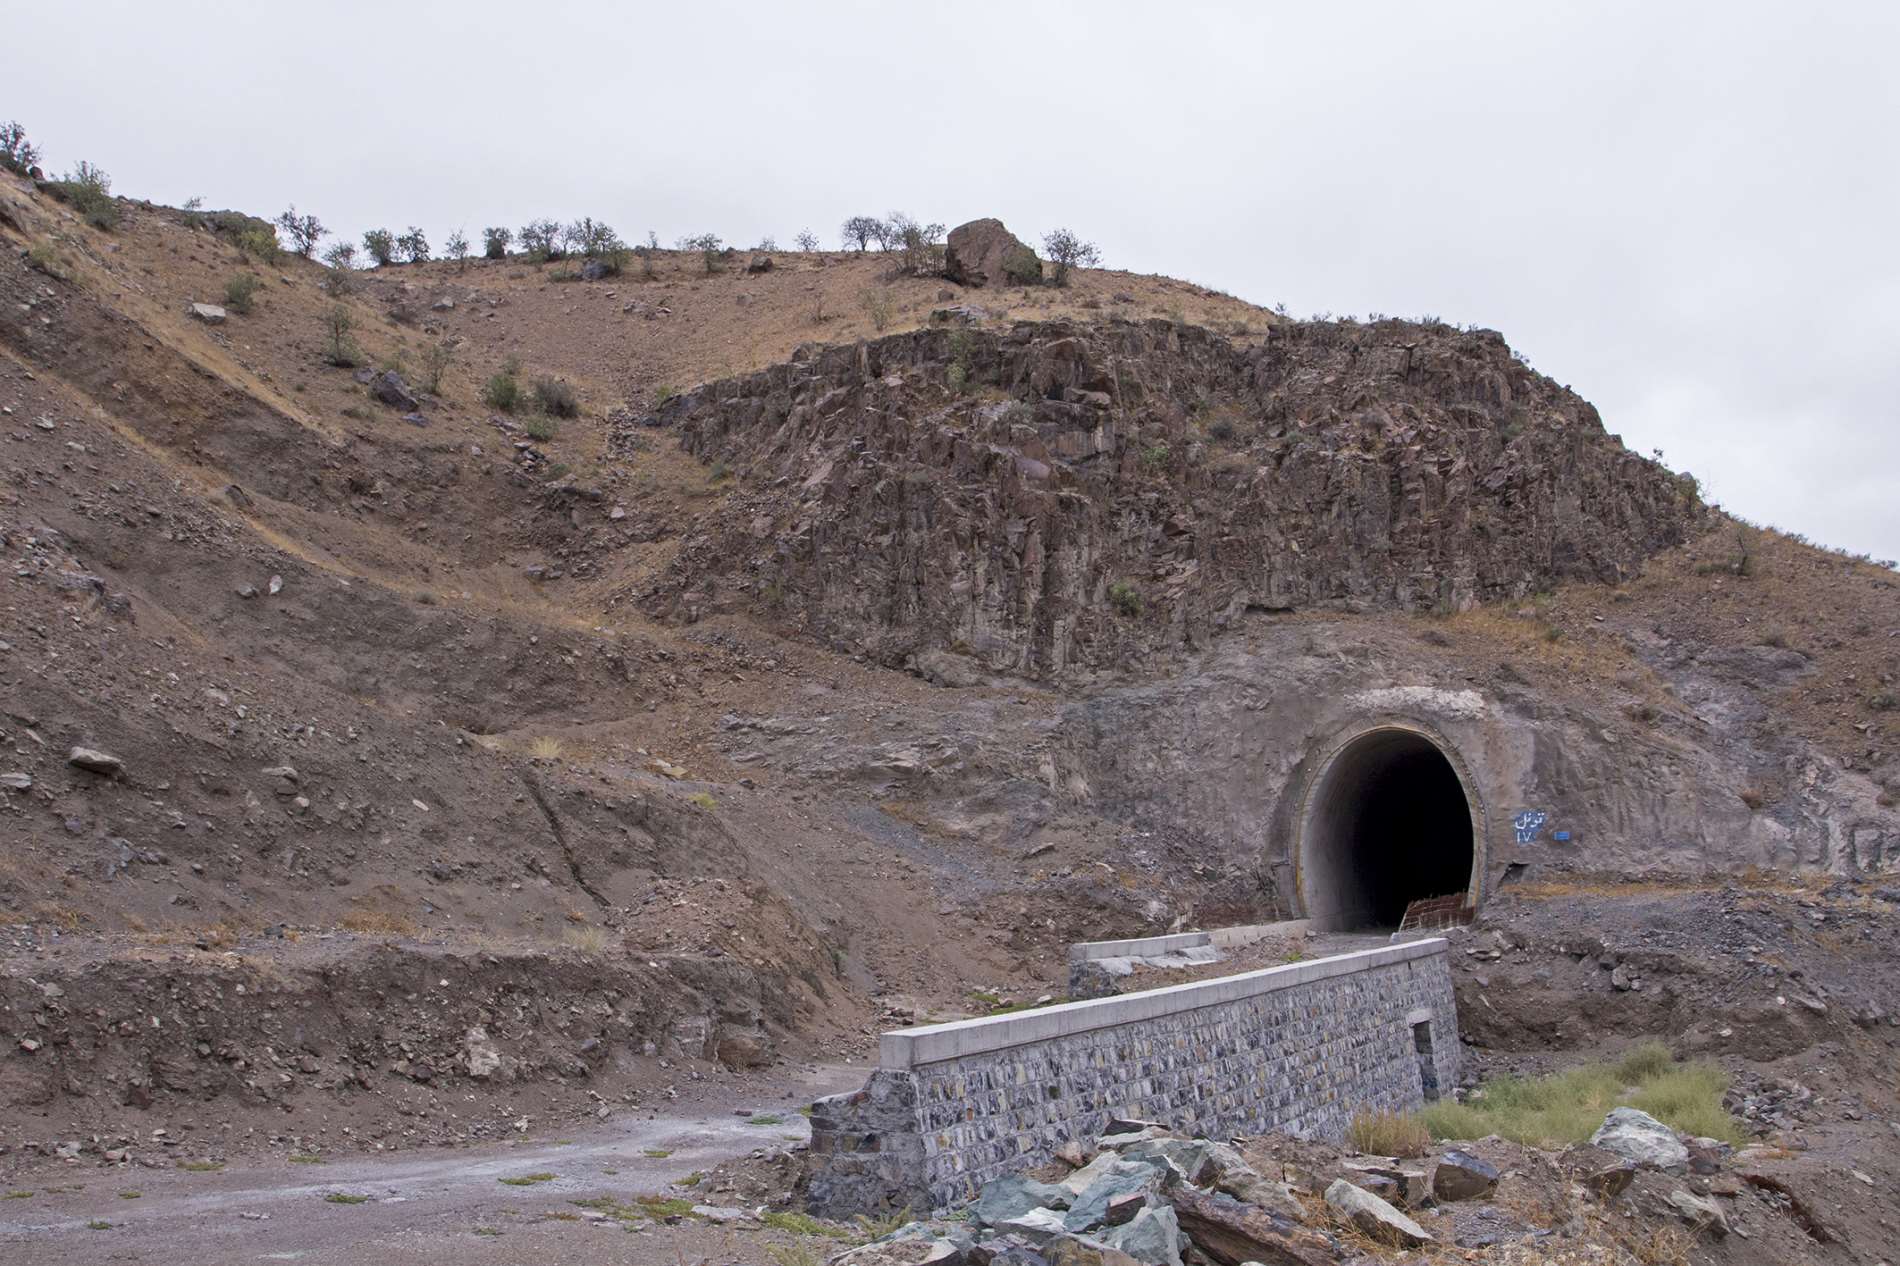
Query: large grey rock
pixel 1122 1177
pixel 1374 1216
pixel 1233 1175
pixel 209 313
pixel 1013 1195
pixel 390 389
pixel 1189 1158
pixel 1152 1238
pixel 1637 1136
pixel 1462 1176
pixel 984 253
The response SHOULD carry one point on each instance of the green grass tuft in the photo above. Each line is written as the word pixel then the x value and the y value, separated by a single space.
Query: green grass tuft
pixel 766 1118
pixel 527 1180
pixel 344 1197
pixel 1568 1107
pixel 804 1224
pixel 201 1167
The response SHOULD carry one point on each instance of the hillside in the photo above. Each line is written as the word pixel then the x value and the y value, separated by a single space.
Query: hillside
pixel 811 675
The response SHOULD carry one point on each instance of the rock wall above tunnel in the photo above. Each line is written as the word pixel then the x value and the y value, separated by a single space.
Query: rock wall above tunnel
pixel 1069 496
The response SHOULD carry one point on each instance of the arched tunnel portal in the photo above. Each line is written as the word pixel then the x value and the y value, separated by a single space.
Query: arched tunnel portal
pixel 1390 817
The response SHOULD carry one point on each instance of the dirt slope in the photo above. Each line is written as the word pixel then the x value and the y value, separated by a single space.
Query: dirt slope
pixel 692 712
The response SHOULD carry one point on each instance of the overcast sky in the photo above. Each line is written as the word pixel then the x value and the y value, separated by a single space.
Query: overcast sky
pixel 1689 213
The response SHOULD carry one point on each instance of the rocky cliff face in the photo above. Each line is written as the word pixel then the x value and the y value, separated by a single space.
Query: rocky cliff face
pixel 1064 497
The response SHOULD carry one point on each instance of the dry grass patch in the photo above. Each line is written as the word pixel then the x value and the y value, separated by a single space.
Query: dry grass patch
pixel 546 748
pixel 378 923
pixel 1384 1133
pixel 588 939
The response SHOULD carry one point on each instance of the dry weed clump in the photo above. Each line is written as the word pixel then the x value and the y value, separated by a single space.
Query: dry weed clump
pixel 546 748
pixel 1384 1133
pixel 378 923
pixel 588 939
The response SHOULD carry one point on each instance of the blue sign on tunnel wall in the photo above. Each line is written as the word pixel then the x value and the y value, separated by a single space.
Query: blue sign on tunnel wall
pixel 1530 824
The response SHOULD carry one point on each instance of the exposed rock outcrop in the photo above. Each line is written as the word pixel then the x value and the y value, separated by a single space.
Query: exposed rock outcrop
pixel 984 253
pixel 1063 496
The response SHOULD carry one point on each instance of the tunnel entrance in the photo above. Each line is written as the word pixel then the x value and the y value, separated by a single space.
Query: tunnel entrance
pixel 1387 823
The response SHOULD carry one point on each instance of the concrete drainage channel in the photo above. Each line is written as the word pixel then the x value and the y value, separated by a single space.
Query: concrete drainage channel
pixel 1296 1048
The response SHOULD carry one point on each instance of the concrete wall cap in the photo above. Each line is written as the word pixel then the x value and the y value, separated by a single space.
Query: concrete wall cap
pixel 933 1043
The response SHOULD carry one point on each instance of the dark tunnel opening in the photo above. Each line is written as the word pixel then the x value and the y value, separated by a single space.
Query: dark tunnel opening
pixel 1387 824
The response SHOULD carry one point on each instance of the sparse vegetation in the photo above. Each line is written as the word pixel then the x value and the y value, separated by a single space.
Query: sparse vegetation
pixel 456 248
pixel 1126 597
pixel 527 1180
pixel 17 154
pixel 201 1166
pixel 380 246
pixel 344 1197
pixel 240 293
pixel 1066 252
pixel 806 241
pixel 502 391
pixel 1381 1132
pixel 341 278
pixel 43 257
pixel 89 191
pixel 919 246
pixel 541 240
pixel 861 230
pixel 877 305
pixel 305 1158
pixel 703 801
pixel 542 428
pixel 1568 1106
pixel 495 241
pixel 708 245
pixel 436 359
pixel 878 1228
pixel 556 398
pixel 339 347
pixel 414 245
pixel 303 231
pixel 588 939
pixel 766 1118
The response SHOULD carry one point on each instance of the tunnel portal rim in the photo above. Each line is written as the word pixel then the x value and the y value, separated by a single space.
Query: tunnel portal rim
pixel 1328 762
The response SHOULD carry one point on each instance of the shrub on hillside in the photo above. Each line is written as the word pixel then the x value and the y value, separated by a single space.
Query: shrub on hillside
pixel 919 246
pixel 89 190
pixel 1126 597
pixel 302 230
pixel 541 239
pixel 556 398
pixel 240 293
pixel 338 347
pixel 708 245
pixel 1067 251
pixel 414 245
pixel 436 359
pixel 456 248
pixel 342 261
pixel 495 240
pixel 17 154
pixel 380 245
pixel 877 305
pixel 861 230
pixel 806 241
pixel 502 391
pixel 260 244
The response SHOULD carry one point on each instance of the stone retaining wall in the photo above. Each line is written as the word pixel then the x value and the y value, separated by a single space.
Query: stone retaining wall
pixel 1298 1048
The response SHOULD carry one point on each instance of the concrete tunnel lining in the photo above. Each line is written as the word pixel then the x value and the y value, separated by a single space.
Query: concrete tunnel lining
pixel 1390 818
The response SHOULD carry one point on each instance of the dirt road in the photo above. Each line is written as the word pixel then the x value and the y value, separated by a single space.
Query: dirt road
pixel 448 1206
